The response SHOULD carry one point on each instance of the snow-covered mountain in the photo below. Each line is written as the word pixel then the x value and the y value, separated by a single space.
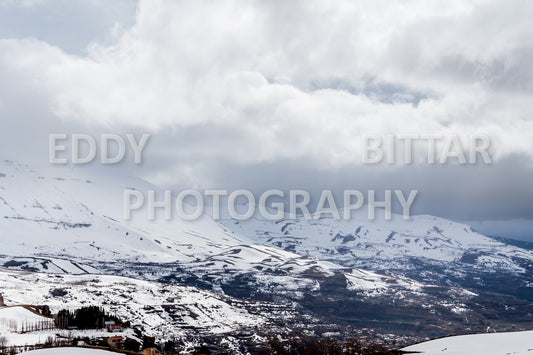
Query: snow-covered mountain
pixel 56 211
pixel 360 241
pixel 64 222
pixel 426 248
pixel 55 220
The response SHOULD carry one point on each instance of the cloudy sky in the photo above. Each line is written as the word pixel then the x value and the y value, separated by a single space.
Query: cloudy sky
pixel 259 95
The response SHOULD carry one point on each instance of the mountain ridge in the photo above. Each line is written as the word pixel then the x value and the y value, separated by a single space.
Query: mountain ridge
pixel 65 223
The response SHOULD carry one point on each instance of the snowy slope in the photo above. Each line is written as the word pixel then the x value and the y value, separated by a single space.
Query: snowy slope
pixel 385 244
pixel 70 226
pixel 281 272
pixel 57 212
pixel 17 318
pixel 56 220
pixel 70 351
pixel 158 308
pixel 487 344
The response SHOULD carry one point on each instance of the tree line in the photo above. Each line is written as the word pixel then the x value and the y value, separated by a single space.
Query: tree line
pixel 89 317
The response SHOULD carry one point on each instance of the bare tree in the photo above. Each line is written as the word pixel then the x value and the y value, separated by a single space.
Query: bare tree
pixel 3 342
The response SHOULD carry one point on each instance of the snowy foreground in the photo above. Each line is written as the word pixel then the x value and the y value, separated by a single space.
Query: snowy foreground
pixel 69 351
pixel 487 344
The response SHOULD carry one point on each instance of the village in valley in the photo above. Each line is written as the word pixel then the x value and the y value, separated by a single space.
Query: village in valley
pixel 29 327
pixel 25 327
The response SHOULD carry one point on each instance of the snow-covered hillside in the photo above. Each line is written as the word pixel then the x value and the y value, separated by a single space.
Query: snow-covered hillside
pixel 56 221
pixel 427 249
pixel 55 211
pixel 70 351
pixel 68 229
pixel 18 318
pixel 384 243
pixel 157 308
pixel 520 343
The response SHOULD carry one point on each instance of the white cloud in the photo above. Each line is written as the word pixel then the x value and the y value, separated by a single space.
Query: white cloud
pixel 252 82
pixel 252 66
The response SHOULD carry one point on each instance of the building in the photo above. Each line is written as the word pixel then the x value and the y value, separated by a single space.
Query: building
pixel 116 342
pixel 114 328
